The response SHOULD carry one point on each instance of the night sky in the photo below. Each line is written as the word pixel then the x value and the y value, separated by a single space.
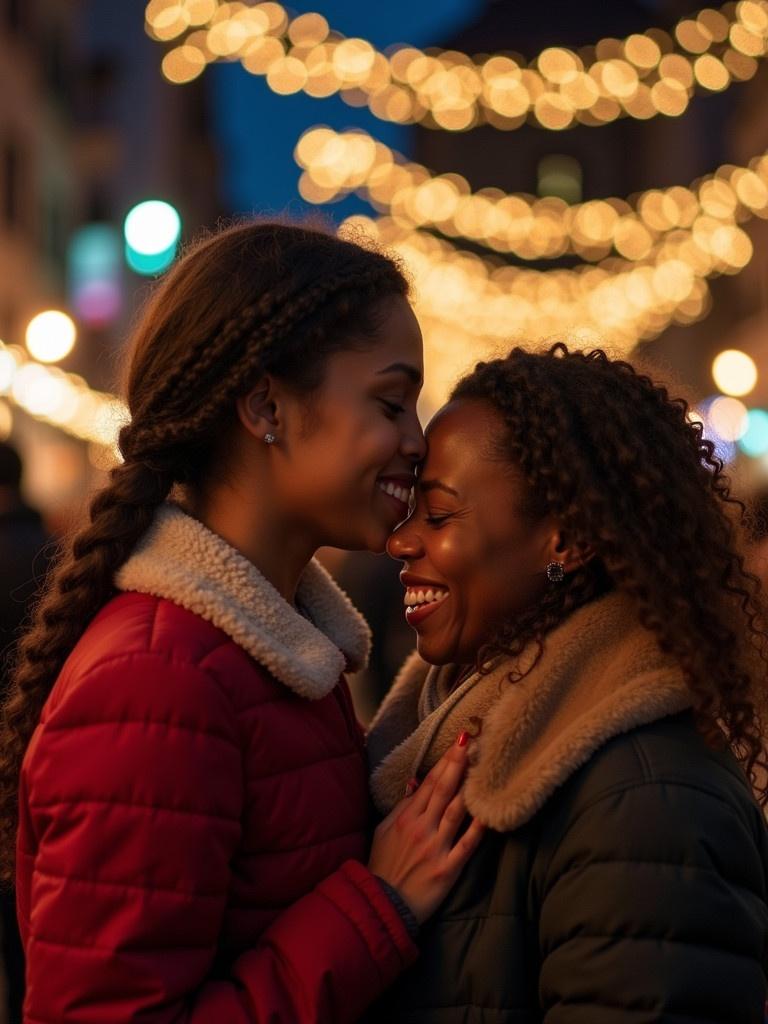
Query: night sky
pixel 258 130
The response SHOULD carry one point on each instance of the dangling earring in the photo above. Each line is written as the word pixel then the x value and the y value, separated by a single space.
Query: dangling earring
pixel 555 572
pixel 269 439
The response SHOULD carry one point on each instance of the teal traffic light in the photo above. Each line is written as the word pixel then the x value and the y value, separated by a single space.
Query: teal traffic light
pixel 152 230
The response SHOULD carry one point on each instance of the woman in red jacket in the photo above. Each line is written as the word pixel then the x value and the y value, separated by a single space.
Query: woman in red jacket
pixel 192 808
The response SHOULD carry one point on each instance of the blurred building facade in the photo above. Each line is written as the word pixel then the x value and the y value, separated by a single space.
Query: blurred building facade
pixel 88 128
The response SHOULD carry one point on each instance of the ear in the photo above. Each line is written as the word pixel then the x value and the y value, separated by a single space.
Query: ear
pixel 257 411
pixel 570 555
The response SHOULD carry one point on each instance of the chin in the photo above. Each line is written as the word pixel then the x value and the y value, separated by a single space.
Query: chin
pixel 431 653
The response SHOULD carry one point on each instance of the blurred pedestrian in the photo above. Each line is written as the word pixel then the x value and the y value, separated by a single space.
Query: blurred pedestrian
pixel 23 561
pixel 574 576
pixel 193 809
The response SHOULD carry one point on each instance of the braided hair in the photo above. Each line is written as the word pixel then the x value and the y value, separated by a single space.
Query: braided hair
pixel 255 298
pixel 632 480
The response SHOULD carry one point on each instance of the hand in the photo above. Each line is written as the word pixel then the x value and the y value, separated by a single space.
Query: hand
pixel 413 847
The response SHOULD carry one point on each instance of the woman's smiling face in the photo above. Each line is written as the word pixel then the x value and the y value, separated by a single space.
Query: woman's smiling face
pixel 473 558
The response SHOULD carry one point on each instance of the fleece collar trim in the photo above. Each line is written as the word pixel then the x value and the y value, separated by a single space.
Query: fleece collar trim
pixel 601 674
pixel 182 561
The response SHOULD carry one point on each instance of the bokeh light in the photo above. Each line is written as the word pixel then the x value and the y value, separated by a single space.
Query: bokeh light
pixel 51 336
pixel 648 74
pixel 728 419
pixel 152 230
pixel 6 420
pixel 755 440
pixel 734 372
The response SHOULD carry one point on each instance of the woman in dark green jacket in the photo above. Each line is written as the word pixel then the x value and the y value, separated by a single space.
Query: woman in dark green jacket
pixel 573 576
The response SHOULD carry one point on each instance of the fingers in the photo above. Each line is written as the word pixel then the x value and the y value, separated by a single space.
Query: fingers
pixel 452 818
pixel 447 784
pixel 419 801
pixel 466 846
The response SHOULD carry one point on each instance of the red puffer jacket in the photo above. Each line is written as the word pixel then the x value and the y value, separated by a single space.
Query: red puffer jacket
pixel 192 825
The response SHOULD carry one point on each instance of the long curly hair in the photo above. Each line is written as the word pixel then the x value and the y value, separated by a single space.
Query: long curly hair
pixel 250 299
pixel 628 473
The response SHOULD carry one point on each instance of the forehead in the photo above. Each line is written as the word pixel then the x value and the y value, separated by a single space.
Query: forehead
pixel 460 441
pixel 398 340
pixel 463 429
pixel 398 332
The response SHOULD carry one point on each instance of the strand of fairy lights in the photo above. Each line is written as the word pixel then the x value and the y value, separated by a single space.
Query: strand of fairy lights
pixel 465 304
pixel 623 300
pixel 482 300
pixel 647 74
pixel 336 163
pixel 64 400
pixel 470 310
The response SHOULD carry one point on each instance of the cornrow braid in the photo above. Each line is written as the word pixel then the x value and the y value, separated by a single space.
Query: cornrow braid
pixel 615 459
pixel 256 357
pixel 201 358
pixel 255 298
pixel 175 426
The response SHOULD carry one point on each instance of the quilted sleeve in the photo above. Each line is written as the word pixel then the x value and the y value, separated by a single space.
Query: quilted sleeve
pixel 131 797
pixel 654 912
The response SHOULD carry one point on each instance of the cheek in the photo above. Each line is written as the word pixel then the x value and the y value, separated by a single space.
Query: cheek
pixel 361 439
pixel 491 573
pixel 452 555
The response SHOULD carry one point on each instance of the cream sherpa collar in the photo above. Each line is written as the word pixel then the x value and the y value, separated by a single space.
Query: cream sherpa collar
pixel 181 560
pixel 601 674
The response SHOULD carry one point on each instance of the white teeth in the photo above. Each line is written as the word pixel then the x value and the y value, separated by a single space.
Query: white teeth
pixel 396 491
pixel 415 597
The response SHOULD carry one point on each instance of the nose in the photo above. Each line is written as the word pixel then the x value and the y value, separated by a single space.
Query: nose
pixel 405 543
pixel 413 444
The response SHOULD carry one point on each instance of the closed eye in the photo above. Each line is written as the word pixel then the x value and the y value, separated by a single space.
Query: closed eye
pixel 436 520
pixel 393 408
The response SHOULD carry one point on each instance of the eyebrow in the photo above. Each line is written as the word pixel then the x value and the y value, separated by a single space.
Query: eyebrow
pixel 411 372
pixel 436 485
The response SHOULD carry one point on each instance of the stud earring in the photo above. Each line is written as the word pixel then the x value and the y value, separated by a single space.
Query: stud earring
pixel 555 572
pixel 269 439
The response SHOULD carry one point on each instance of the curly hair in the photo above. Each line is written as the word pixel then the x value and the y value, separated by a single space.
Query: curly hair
pixel 632 480
pixel 254 298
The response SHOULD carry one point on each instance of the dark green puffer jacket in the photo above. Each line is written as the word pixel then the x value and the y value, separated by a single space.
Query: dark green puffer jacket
pixel 637 895
pixel 624 877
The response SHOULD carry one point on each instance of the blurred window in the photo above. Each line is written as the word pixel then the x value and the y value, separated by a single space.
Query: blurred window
pixel 560 176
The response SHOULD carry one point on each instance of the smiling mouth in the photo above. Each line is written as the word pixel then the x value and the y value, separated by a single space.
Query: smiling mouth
pixel 401 494
pixel 422 602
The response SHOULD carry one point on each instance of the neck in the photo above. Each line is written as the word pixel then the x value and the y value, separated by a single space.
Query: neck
pixel 248 523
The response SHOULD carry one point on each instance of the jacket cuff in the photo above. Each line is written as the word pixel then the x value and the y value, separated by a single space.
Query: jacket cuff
pixel 401 906
pixel 401 949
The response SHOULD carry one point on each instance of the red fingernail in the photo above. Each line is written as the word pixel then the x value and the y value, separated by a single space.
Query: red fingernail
pixel 411 786
pixel 463 738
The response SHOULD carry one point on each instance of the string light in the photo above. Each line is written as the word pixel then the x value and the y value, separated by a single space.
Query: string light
pixel 470 307
pixel 62 399
pixel 699 223
pixel 645 75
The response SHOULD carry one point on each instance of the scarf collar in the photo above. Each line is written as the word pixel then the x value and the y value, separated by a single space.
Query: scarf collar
pixel 601 674
pixel 181 560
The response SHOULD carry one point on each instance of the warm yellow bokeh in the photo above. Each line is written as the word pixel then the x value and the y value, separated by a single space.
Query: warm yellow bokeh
pixel 645 75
